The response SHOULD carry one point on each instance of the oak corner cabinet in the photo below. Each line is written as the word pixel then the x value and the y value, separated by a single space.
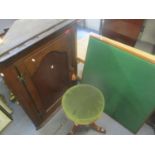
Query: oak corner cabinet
pixel 39 69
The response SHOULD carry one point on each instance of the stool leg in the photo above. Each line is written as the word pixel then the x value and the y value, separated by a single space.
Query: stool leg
pixel 74 128
pixel 97 128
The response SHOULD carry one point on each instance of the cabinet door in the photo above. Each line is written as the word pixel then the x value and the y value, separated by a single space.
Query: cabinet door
pixel 46 73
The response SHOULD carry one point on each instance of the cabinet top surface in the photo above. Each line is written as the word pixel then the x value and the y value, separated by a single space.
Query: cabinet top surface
pixel 26 32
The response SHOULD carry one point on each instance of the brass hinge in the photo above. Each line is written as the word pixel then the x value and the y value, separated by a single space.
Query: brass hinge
pixel 21 77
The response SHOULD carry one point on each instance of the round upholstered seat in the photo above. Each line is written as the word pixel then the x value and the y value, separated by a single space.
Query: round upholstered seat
pixel 83 104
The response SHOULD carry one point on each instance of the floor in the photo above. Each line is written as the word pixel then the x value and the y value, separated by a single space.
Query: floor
pixel 60 125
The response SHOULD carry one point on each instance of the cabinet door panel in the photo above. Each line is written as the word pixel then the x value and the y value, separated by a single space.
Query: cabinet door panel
pixel 51 77
pixel 47 72
pixel 28 85
pixel 61 44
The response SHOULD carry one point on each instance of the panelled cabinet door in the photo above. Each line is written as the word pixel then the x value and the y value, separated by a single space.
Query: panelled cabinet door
pixel 46 73
pixel 51 77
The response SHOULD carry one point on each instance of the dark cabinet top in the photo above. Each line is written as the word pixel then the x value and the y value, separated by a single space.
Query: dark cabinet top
pixel 26 32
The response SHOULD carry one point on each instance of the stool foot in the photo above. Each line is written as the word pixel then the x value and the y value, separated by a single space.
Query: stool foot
pixel 73 130
pixel 97 128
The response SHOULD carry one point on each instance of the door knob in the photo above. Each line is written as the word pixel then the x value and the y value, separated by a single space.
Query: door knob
pixel 2 74
pixel 33 60
pixel 52 66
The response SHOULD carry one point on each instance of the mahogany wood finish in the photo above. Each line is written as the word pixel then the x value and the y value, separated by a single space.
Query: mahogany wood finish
pixel 51 77
pixel 122 30
pixel 39 75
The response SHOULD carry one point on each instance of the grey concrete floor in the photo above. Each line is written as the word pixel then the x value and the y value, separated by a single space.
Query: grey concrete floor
pixel 60 125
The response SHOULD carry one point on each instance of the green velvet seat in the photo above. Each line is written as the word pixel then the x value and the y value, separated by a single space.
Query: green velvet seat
pixel 83 104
